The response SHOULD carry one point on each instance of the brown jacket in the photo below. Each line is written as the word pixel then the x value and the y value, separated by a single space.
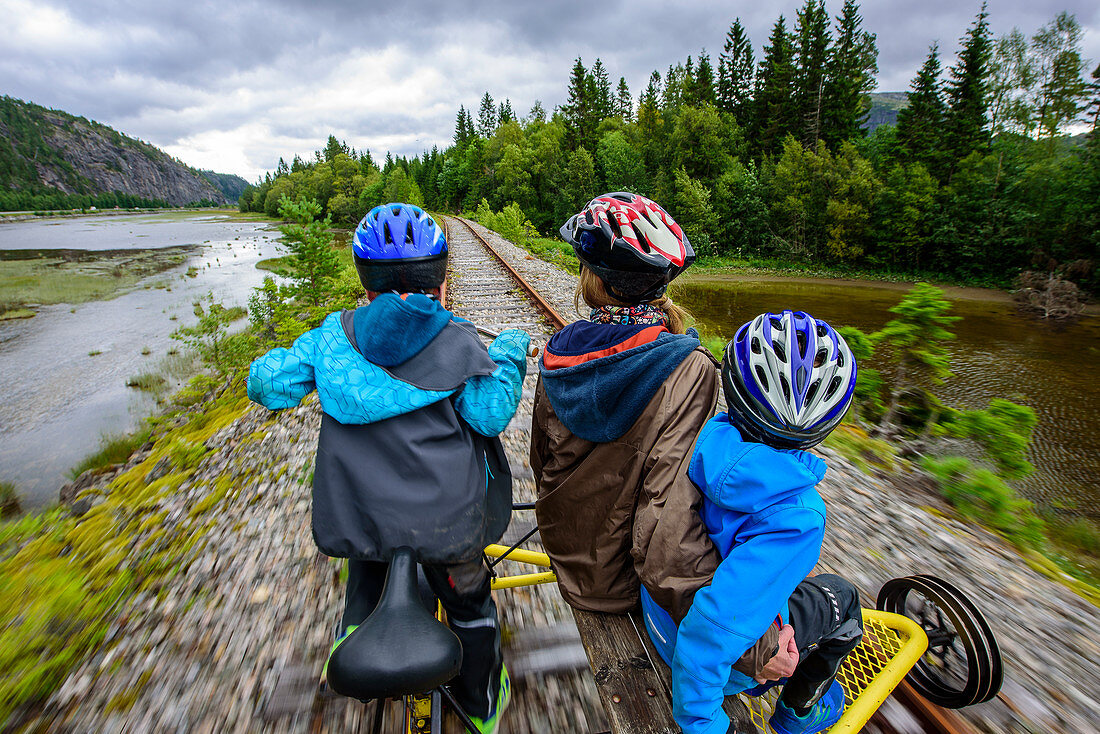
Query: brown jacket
pixel 612 513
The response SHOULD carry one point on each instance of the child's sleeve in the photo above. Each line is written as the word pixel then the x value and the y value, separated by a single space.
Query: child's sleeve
pixel 488 402
pixel 750 586
pixel 282 377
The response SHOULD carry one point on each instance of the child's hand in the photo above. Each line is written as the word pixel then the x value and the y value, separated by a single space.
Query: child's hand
pixel 785 661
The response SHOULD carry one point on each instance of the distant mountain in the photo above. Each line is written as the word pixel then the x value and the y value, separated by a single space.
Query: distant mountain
pixel 49 152
pixel 229 184
pixel 884 109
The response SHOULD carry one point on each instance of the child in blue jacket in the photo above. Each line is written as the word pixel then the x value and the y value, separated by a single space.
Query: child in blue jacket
pixel 407 453
pixel 788 380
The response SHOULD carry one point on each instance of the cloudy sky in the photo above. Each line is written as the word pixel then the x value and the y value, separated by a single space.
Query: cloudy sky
pixel 232 86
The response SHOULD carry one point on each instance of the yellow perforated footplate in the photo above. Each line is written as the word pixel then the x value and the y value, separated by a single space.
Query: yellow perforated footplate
pixel 891 645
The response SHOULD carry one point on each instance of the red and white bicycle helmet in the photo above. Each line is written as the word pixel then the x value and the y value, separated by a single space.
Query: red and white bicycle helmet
pixel 630 243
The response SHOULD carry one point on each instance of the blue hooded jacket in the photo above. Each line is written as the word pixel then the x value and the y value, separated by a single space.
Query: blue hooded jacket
pixel 767 520
pixel 412 403
pixel 355 387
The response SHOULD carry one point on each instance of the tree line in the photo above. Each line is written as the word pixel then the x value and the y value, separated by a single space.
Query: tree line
pixel 979 180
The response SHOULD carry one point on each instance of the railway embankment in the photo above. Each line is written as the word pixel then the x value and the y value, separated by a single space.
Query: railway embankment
pixel 230 639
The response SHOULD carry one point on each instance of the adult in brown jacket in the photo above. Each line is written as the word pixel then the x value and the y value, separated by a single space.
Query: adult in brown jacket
pixel 619 402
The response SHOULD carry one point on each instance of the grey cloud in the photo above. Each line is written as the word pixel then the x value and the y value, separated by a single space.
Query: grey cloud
pixel 174 69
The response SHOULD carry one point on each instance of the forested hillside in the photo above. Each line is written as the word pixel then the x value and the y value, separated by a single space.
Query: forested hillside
pixel 771 158
pixel 53 160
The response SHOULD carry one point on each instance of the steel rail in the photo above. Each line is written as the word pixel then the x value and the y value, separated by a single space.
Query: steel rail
pixel 933 718
pixel 541 303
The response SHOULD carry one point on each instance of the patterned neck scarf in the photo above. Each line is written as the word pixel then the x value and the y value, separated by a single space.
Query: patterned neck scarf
pixel 641 314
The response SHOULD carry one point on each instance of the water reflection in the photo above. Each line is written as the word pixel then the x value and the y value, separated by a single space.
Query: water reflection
pixel 998 353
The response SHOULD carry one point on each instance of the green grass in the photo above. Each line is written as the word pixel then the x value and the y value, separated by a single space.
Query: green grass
pixel 113 449
pixel 758 265
pixel 148 382
pixel 44 277
pixel 12 314
pixel 556 252
pixel 275 264
pixel 867 453
pixel 9 500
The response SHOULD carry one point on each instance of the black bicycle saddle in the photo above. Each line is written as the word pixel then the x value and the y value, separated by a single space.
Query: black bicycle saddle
pixel 400 649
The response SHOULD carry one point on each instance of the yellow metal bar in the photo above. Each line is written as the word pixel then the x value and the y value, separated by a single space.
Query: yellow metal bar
pixel 518 555
pixel 914 643
pixel 524 579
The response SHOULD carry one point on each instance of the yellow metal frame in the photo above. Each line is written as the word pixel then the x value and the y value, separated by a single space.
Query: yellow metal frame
pixel 891 645
pixel 520 555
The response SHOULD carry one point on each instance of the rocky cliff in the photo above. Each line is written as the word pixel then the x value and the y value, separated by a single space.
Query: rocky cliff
pixel 48 149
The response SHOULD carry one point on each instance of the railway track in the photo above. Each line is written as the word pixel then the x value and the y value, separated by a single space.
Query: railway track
pixel 486 289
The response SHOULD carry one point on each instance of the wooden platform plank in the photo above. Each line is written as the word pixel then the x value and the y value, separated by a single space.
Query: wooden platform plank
pixel 733 706
pixel 632 693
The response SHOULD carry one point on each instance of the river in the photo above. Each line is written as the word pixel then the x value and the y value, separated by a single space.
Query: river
pixel 997 353
pixel 63 373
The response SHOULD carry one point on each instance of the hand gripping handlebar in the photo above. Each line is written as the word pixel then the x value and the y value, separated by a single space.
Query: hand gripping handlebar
pixel 532 350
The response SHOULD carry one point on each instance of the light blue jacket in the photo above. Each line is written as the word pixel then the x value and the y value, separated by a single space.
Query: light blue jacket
pixel 356 391
pixel 767 521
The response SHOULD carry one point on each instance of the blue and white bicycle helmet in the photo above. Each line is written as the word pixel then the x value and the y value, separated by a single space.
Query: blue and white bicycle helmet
pixel 788 378
pixel 399 247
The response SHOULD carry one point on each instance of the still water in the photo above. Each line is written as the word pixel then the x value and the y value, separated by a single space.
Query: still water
pixel 997 353
pixel 59 398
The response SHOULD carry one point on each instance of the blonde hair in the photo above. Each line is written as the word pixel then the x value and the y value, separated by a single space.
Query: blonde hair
pixel 592 291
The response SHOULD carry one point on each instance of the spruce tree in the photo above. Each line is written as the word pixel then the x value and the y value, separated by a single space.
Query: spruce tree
pixel 772 103
pixel 577 108
pixel 920 124
pixel 966 122
pixel 537 113
pixel 735 72
pixel 672 96
pixel 624 103
pixel 811 54
pixel 687 93
pixel 506 114
pixel 602 87
pixel 704 82
pixel 486 117
pixel 852 65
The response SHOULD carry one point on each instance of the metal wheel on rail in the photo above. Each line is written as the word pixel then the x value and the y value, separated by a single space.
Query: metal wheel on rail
pixel 962 666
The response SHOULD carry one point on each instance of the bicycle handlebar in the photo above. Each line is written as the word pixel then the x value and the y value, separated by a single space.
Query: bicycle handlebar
pixel 532 350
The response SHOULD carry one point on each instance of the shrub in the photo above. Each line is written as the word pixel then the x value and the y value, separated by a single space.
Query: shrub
pixel 980 494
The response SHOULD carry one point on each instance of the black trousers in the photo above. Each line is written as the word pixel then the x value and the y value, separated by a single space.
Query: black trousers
pixel 828 624
pixel 463 590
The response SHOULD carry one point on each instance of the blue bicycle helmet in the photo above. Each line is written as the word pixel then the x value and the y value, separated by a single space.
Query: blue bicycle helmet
pixel 788 379
pixel 399 247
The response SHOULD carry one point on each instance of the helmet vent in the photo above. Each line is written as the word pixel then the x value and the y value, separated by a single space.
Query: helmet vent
pixel 821 330
pixel 642 240
pixel 761 376
pixel 776 323
pixel 801 338
pixel 820 357
pixel 831 390
pixel 755 346
pixel 389 234
pixel 396 211
pixel 408 233
pixel 786 387
pixel 839 358
pixel 780 352
pixel 812 391
pixel 431 222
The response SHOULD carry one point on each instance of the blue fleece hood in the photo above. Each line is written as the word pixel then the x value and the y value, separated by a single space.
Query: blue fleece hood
pixel 601 376
pixel 393 330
